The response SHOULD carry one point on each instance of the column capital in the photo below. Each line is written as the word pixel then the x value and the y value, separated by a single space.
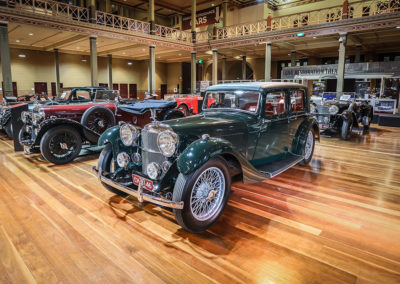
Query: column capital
pixel 93 37
pixel 214 50
pixel 193 52
pixel 109 55
pixel 152 46
pixel 3 24
pixel 268 43
pixel 55 49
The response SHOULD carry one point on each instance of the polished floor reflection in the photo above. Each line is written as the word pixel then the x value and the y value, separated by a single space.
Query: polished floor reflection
pixel 337 220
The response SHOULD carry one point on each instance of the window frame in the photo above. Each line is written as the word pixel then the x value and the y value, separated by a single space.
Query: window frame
pixel 275 116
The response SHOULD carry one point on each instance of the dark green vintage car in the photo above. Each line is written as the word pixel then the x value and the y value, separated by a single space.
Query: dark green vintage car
pixel 255 130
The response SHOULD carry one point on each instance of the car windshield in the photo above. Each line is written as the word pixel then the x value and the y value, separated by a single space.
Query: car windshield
pixel 106 95
pixel 236 100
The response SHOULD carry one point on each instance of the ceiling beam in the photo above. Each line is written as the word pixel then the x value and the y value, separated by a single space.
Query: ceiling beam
pixel 118 49
pixel 64 42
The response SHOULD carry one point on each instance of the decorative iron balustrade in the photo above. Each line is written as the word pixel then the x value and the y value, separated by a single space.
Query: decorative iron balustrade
pixel 356 9
pixel 80 14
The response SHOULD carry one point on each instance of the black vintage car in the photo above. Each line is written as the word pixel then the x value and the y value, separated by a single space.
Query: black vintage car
pixel 341 116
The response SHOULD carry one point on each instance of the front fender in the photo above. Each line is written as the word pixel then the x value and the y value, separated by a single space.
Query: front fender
pixel 109 136
pixel 347 114
pixel 202 150
pixel 53 122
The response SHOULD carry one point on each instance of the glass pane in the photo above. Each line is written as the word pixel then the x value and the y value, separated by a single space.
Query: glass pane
pixel 275 103
pixel 238 100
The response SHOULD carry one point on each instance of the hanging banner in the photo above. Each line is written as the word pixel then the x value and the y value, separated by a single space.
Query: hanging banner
pixel 203 18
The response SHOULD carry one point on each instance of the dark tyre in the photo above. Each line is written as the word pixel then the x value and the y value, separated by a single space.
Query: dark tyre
pixel 98 119
pixel 172 114
pixel 184 109
pixel 366 122
pixel 308 147
pixel 9 129
pixel 61 145
pixel 106 164
pixel 347 127
pixel 205 193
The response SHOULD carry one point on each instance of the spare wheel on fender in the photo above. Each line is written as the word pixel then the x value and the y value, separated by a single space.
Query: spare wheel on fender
pixel 98 119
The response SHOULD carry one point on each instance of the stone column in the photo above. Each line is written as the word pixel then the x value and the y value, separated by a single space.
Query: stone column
pixel 92 11
pixel 151 16
pixel 5 61
pixel 268 61
pixel 152 69
pixel 194 20
pixel 341 64
pixel 193 73
pixel 108 6
pixel 358 54
pixel 244 67
pixel 109 67
pixel 57 69
pixel 224 11
pixel 215 67
pixel 293 58
pixel 93 61
pixel 223 68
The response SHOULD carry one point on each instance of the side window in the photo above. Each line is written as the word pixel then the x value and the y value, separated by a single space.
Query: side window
pixel 296 101
pixel 275 103
pixel 82 95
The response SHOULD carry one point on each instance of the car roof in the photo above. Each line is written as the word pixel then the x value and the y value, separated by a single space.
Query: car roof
pixel 254 86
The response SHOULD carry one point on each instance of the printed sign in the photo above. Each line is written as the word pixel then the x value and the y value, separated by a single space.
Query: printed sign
pixel 203 18
pixel 145 183
pixel 204 85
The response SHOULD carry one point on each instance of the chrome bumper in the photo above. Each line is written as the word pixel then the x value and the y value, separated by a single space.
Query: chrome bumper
pixel 141 197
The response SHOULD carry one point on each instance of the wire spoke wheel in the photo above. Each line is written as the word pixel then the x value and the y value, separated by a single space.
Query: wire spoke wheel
pixel 207 194
pixel 309 145
pixel 98 121
pixel 63 145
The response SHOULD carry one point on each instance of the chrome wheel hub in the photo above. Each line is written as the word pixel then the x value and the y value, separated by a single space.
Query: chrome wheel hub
pixel 64 146
pixel 207 194
pixel 309 145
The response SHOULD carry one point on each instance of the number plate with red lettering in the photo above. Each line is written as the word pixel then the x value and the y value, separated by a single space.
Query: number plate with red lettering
pixel 144 182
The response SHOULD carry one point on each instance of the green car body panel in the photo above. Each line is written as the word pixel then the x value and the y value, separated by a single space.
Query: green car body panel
pixel 248 138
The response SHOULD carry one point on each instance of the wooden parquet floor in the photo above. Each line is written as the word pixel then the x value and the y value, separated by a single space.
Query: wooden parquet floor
pixel 335 221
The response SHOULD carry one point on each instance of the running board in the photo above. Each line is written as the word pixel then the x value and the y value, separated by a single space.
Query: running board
pixel 275 168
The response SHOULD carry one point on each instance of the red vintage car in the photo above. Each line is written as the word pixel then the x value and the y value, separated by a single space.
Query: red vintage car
pixel 188 104
pixel 60 131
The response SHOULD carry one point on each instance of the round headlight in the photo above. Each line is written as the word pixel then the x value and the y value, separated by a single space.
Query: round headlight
pixel 128 134
pixel 167 142
pixel 333 109
pixel 153 170
pixel 312 108
pixel 24 115
pixel 123 159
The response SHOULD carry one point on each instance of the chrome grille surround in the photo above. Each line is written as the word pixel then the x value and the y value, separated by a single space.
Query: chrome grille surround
pixel 150 151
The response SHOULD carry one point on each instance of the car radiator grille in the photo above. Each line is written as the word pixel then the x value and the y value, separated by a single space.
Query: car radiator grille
pixel 150 151
pixel 323 109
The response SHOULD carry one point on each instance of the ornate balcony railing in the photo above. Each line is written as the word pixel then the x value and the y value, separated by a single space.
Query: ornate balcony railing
pixel 123 23
pixel 173 34
pixel 357 9
pixel 80 14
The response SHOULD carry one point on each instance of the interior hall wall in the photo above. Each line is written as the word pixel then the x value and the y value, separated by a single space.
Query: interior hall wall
pixel 174 75
pixel 38 66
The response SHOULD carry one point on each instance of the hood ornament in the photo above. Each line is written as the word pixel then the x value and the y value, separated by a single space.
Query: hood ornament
pixel 153 115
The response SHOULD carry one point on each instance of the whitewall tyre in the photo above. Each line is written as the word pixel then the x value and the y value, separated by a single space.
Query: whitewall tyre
pixel 308 147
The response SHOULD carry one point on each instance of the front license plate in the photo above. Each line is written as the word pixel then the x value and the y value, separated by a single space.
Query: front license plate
pixel 144 182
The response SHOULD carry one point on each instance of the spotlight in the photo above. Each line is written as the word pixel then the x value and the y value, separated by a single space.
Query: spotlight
pixel 31 34
pixel 22 55
pixel 130 63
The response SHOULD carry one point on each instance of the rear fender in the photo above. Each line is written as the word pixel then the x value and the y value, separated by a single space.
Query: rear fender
pixel 202 150
pixel 300 139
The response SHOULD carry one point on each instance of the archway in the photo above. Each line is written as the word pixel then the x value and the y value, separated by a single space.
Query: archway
pixel 235 71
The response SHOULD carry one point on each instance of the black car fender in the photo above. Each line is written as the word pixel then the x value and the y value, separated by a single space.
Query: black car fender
pixel 202 150
pixel 300 138
pixel 53 122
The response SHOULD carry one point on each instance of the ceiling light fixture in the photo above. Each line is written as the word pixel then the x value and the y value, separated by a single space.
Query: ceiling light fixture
pixel 22 55
pixel 31 34
pixel 314 37
pixel 180 54
pixel 83 60
pixel 17 40
pixel 398 27
pixel 130 63
pixel 78 47
pixel 123 53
